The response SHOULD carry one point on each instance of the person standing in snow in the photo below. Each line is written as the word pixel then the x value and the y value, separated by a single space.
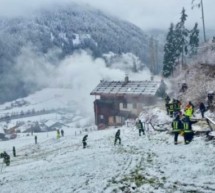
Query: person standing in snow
pixel 192 105
pixel 187 128
pixel 202 109
pixel 167 100
pixel 58 134
pixel 170 108
pixel 35 139
pixel 139 126
pixel 117 137
pixel 176 107
pixel 62 132
pixel 6 158
pixel 14 151
pixel 189 110
pixel 84 141
pixel 177 127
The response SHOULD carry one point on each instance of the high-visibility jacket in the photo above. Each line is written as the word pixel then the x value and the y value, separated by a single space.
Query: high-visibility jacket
pixel 189 111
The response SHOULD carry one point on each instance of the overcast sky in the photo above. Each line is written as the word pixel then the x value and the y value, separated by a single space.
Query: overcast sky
pixel 147 14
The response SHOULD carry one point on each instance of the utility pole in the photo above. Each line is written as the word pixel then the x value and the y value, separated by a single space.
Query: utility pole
pixel 200 4
pixel 203 20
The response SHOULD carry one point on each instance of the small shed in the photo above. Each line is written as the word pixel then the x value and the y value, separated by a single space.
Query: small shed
pixel 117 101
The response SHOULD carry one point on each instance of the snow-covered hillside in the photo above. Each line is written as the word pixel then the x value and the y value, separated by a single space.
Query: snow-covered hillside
pixel 148 163
pixel 56 32
pixel 46 107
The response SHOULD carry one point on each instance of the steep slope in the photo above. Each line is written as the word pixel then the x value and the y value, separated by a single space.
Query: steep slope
pixel 198 73
pixel 141 164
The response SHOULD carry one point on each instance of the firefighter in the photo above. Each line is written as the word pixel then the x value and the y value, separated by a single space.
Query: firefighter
pixel 84 141
pixel 177 128
pixel 6 158
pixel 35 139
pixel 188 110
pixel 192 105
pixel 187 128
pixel 210 98
pixel 139 126
pixel 202 109
pixel 14 151
pixel 167 100
pixel 170 109
pixel 117 137
pixel 58 134
pixel 176 107
pixel 62 132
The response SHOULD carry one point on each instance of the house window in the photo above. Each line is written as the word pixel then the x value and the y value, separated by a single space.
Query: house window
pixel 124 105
pixel 134 105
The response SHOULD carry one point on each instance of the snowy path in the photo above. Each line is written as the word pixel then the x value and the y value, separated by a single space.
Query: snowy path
pixel 141 164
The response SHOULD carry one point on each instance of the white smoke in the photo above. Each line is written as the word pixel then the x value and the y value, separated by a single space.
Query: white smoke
pixel 79 72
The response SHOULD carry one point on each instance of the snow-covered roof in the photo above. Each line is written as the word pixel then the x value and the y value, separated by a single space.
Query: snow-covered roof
pixel 129 88
pixel 50 123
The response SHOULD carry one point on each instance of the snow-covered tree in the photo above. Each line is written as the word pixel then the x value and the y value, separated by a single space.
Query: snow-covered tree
pixel 169 52
pixel 194 40
pixel 181 34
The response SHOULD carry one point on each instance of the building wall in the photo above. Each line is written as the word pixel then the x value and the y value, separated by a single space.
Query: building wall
pixel 134 108
pixel 112 111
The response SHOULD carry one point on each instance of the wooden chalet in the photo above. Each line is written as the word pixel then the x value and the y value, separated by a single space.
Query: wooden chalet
pixel 117 101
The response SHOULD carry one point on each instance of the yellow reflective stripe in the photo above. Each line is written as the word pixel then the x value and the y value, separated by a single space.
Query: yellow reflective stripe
pixel 175 125
pixel 186 126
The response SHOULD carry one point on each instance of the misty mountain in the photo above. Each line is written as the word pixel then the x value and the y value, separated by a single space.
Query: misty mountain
pixel 67 28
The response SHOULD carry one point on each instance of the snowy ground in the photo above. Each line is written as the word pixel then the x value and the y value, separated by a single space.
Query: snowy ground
pixel 146 164
pixel 141 164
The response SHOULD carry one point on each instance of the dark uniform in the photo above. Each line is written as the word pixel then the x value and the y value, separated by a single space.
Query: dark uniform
pixel 62 132
pixel 35 139
pixel 85 141
pixel 177 127
pixel 171 109
pixel 117 137
pixel 202 109
pixel 210 99
pixel 176 107
pixel 6 158
pixel 14 151
pixel 139 126
pixel 167 99
pixel 187 127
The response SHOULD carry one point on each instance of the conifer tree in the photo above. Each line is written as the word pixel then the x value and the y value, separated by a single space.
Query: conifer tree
pixel 169 52
pixel 194 39
pixel 181 34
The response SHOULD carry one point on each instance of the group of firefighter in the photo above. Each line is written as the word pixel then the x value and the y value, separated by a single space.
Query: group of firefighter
pixel 182 123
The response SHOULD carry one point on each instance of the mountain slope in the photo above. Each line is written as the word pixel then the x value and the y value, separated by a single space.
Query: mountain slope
pixel 67 28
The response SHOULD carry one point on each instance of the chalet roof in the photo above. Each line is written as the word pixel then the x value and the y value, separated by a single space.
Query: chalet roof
pixel 128 88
